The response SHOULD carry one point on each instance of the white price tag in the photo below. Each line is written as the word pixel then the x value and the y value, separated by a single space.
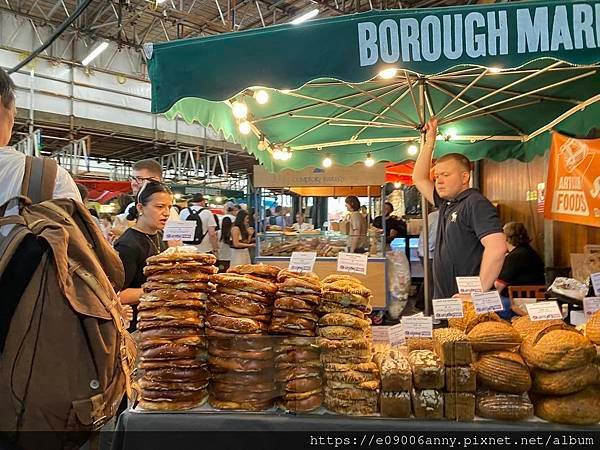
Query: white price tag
pixel 179 230
pixel 596 282
pixel 468 285
pixel 591 305
pixel 417 326
pixel 352 262
pixel 447 308
pixel 397 334
pixel 577 318
pixel 380 333
pixel 302 261
pixel 485 302
pixel 543 311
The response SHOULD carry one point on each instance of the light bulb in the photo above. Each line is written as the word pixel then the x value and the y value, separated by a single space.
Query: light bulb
pixel 327 162
pixel 245 127
pixel 388 74
pixel 261 96
pixel 286 154
pixel 277 153
pixel 261 145
pixel 239 109
pixel 219 199
pixel 369 162
pixel 495 69
pixel 451 133
pixel 412 149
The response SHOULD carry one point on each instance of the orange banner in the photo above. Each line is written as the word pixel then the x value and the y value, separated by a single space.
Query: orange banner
pixel 573 187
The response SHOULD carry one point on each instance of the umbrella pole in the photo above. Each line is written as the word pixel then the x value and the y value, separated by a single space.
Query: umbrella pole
pixel 425 210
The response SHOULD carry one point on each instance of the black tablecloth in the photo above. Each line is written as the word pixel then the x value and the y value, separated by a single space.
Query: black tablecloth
pixel 131 424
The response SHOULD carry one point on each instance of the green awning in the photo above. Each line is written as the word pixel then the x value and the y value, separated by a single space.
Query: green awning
pixel 499 76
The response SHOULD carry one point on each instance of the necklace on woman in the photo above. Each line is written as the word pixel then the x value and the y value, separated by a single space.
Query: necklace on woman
pixel 156 247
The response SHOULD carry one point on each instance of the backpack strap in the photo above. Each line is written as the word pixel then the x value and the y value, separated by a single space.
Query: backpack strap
pixel 39 178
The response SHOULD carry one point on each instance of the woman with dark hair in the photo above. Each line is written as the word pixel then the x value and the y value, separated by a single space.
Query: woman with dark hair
pixel 522 265
pixel 144 239
pixel 224 247
pixel 241 238
pixel 357 232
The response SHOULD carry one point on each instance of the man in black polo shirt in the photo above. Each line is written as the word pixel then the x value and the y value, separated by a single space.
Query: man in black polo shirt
pixel 469 241
pixel 394 227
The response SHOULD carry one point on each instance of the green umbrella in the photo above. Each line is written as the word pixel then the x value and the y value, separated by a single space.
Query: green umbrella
pixel 496 76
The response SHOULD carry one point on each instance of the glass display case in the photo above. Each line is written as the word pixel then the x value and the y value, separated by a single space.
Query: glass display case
pixel 325 243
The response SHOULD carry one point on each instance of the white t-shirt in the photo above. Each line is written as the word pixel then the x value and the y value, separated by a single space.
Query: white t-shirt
pixel 224 248
pixel 208 220
pixel 12 169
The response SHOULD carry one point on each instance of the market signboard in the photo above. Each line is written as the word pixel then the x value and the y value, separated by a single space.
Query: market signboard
pixel 573 187
pixel 318 177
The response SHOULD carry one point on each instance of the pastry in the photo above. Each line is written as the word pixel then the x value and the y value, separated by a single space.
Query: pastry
pixel 490 336
pixel 503 371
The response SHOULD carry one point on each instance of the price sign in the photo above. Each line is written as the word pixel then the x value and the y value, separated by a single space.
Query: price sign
pixel 352 262
pixel 591 305
pixel 596 282
pixel 577 318
pixel 468 285
pixel 485 302
pixel 397 334
pixel 380 334
pixel 302 261
pixel 543 311
pixel 447 308
pixel 417 327
pixel 179 230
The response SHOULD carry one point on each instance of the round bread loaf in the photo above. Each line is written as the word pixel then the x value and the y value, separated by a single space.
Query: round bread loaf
pixel 331 307
pixel 525 326
pixel 235 325
pixel 346 320
pixel 164 363
pixel 242 395
pixel 504 372
pixel 161 295
pixel 239 364
pixel 294 304
pixel 179 267
pixel 592 328
pixel 490 336
pixel 260 270
pixel 565 382
pixel 190 304
pixel 581 408
pixel 295 314
pixel 267 386
pixel 243 283
pixel 341 333
pixel 292 373
pixel 303 384
pixel 557 349
pixel 241 406
pixel 174 386
pixel 168 314
pixel 313 299
pixel 301 395
pixel 243 354
pixel 180 254
pixel 499 406
pixel 243 380
pixel 470 318
pixel 309 277
pixel 169 351
pixel 302 405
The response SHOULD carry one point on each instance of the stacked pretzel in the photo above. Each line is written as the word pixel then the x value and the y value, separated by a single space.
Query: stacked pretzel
pixel 241 356
pixel 351 378
pixel 297 357
pixel 172 342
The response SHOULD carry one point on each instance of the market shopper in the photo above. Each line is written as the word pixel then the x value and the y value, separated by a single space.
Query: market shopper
pixel 207 239
pixel 469 240
pixel 143 240
pixel 241 239
pixel 394 227
pixel 300 224
pixel 432 219
pixel 522 266
pixel 224 236
pixel 357 230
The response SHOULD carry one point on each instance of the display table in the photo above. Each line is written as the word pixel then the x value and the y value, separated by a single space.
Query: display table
pixel 133 427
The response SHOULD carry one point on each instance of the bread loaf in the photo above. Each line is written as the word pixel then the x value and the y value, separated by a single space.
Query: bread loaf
pixel 525 326
pixel 565 382
pixel 461 378
pixel 592 328
pixel 581 408
pixel 428 403
pixel 419 344
pixel 554 350
pixel 452 346
pixel 395 404
pixel 470 318
pixel 459 406
pixel 427 369
pixel 490 336
pixel 396 374
pixel 503 372
pixel 500 406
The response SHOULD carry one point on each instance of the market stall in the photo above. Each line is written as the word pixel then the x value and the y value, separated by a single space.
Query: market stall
pixel 358 89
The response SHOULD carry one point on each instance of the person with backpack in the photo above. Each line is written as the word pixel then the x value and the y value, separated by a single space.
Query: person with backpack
pixel 207 225
pixel 143 240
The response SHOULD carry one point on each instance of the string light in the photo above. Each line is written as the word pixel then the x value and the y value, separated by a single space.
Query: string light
pixel 495 69
pixel 277 154
pixel 245 127
pixel 262 145
pixel 451 133
pixel 412 150
pixel 261 96
pixel 388 74
pixel 327 162
pixel 239 109
pixel 286 154
pixel 369 162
